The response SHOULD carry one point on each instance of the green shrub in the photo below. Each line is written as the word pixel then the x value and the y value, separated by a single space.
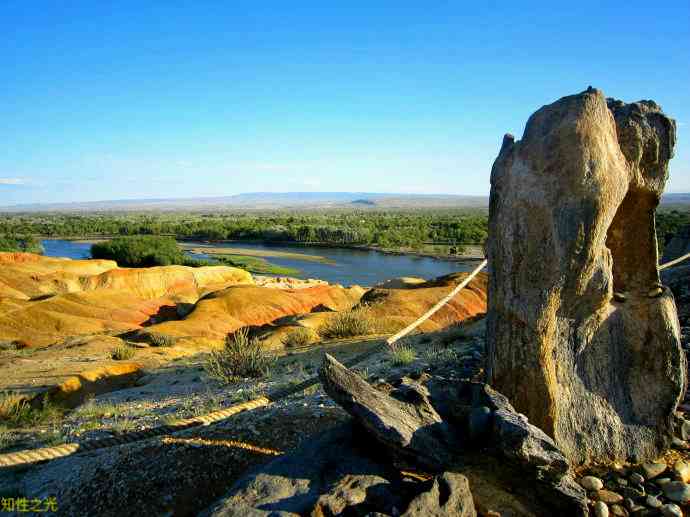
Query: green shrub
pixel 140 251
pixel 240 357
pixel 357 322
pixel 29 244
pixel 156 339
pixel 402 355
pixel 301 336
pixel 122 353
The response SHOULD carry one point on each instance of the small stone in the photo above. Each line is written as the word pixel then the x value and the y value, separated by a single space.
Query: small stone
pixel 631 493
pixel 608 497
pixel 677 491
pixel 622 481
pixel 653 502
pixel 618 511
pixel 600 509
pixel 619 297
pixel 671 510
pixel 677 443
pixel 636 478
pixel 652 469
pixel 662 481
pixel 629 504
pixel 591 483
pixel 682 470
pixel 655 292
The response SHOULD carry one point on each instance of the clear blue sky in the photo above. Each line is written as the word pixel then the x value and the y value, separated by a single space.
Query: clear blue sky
pixel 112 100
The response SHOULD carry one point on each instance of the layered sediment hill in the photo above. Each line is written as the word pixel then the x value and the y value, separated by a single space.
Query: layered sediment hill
pixel 43 300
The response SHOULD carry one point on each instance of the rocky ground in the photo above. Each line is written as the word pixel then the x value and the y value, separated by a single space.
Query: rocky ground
pixel 182 474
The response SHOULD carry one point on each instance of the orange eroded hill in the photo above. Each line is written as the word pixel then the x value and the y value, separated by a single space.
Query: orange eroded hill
pixel 404 305
pixel 225 311
pixel 45 299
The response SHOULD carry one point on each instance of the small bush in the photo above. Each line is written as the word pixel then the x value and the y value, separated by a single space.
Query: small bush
pixel 18 411
pixel 122 353
pixel 156 339
pixel 301 336
pixel 6 437
pixel 357 322
pixel 403 355
pixel 140 251
pixel 241 357
pixel 439 355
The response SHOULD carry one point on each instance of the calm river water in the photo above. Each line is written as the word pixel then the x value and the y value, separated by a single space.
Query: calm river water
pixel 350 266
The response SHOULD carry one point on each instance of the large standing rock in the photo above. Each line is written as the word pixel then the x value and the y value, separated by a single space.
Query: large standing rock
pixel 580 338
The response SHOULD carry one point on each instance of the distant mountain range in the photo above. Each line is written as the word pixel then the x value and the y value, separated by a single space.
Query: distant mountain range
pixel 267 201
pixel 287 200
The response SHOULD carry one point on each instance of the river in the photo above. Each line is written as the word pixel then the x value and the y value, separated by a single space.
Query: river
pixel 346 266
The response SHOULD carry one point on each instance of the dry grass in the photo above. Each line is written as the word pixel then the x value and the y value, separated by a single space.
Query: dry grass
pixel 438 354
pixel 16 411
pixel 156 339
pixel 122 353
pixel 357 322
pixel 241 357
pixel 402 355
pixel 299 337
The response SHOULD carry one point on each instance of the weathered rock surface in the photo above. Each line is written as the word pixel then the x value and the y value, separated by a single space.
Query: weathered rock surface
pixel 325 476
pixel 449 495
pixel 571 223
pixel 411 430
pixel 424 424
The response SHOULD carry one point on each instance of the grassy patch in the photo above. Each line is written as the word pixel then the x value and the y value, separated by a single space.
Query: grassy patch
pixel 402 355
pixel 156 339
pixel 124 425
pixel 256 265
pixel 241 357
pixel 6 437
pixel 122 353
pixel 17 411
pixel 436 354
pixel 357 322
pixel 301 336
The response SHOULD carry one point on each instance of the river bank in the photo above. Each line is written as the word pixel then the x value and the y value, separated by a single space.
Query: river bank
pixel 338 265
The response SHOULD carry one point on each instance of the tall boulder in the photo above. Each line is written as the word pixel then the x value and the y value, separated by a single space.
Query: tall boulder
pixel 581 336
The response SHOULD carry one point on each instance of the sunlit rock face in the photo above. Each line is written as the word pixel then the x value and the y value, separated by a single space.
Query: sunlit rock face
pixel 581 336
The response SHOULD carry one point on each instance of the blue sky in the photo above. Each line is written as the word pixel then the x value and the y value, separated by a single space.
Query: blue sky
pixel 113 100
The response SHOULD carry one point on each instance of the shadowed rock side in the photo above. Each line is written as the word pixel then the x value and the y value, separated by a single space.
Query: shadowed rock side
pixel 581 336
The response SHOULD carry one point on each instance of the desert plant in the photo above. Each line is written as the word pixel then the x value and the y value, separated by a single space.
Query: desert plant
pixel 240 357
pixel 357 322
pixel 18 411
pixel 301 336
pixel 401 355
pixel 439 354
pixel 6 437
pixel 122 353
pixel 156 339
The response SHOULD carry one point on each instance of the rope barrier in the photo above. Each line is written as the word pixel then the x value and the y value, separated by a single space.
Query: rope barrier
pixel 404 332
pixel 672 263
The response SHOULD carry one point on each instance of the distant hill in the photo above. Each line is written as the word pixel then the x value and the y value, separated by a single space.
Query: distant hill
pixel 678 199
pixel 268 201
pixel 292 200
